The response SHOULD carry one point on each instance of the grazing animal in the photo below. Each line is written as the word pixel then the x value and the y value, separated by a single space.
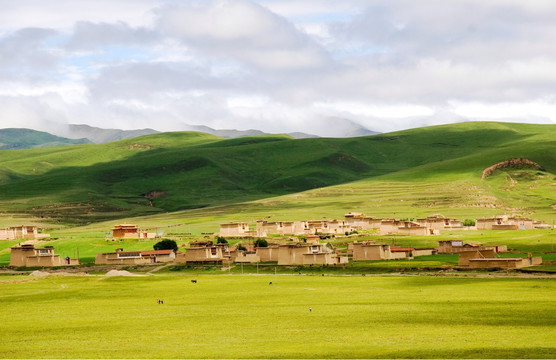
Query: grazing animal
pixel 194 281
pixel 270 283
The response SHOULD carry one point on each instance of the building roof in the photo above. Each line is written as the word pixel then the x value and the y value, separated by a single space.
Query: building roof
pixel 157 252
pixel 400 249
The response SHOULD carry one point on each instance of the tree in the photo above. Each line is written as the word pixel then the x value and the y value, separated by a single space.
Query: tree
pixel 166 244
pixel 241 247
pixel 260 243
pixel 468 222
pixel 221 240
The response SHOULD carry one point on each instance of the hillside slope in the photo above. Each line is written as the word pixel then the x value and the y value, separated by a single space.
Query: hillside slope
pixel 177 171
pixel 16 139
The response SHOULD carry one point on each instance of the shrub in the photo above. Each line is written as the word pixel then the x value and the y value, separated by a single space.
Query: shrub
pixel 241 247
pixel 261 243
pixel 468 222
pixel 221 240
pixel 166 244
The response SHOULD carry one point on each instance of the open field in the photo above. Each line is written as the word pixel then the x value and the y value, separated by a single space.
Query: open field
pixel 245 317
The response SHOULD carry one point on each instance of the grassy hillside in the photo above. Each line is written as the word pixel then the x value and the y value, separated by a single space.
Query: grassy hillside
pixel 16 139
pixel 405 174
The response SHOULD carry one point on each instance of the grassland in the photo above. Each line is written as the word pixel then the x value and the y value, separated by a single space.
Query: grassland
pixel 406 174
pixel 245 317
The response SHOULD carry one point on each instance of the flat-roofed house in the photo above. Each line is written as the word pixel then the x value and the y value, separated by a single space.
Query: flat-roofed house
pixel 521 223
pixel 389 226
pixel 138 257
pixel 457 246
pixel 368 250
pixel 130 231
pixel 239 229
pixel 484 259
pixel 265 228
pixel 359 221
pixel 29 256
pixel 413 228
pixel 307 254
pixel 439 222
pixel 504 223
pixel 204 252
pixel 21 232
pixel 504 263
pixel 401 252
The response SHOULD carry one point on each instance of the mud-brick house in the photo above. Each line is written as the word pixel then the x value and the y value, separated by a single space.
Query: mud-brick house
pixel 21 232
pixel 521 223
pixel 457 246
pixel 268 254
pixel 439 222
pixel 121 257
pixel 485 259
pixel 205 252
pixel 401 252
pixel 505 223
pixel 307 254
pixel 239 229
pixel 265 228
pixel 359 221
pixel 29 256
pixel 130 231
pixel 414 229
pixel 368 250
pixel 388 226
pixel 466 255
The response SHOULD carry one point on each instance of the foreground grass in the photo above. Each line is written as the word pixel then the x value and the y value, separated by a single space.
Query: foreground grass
pixel 245 317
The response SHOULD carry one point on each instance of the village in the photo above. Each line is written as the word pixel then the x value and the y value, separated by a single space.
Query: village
pixel 299 243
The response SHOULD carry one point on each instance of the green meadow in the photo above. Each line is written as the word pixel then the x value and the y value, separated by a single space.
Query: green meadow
pixel 193 175
pixel 233 316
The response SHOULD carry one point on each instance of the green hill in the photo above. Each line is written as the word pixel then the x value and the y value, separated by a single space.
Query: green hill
pixel 425 170
pixel 16 139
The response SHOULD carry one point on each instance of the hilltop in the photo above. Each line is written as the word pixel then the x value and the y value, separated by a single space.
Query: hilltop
pixel 425 170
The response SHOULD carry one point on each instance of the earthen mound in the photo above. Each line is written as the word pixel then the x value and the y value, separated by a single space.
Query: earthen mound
pixel 512 163
pixel 120 273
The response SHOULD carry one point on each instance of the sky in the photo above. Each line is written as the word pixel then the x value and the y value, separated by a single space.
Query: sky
pixel 314 66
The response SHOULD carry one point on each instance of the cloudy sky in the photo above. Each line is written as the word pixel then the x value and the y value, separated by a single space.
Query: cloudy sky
pixel 276 65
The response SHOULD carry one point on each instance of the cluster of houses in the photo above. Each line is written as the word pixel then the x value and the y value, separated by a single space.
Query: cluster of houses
pixel 26 232
pixel 307 251
pixel 431 225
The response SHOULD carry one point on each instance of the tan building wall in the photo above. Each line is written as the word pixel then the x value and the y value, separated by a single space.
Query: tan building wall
pixel 465 256
pixel 423 252
pixel 28 256
pixel 504 263
pixel 267 254
pixel 389 226
pixel 244 257
pixel 20 232
pixel 292 254
pixel 234 229
pixel 202 254
pixel 371 251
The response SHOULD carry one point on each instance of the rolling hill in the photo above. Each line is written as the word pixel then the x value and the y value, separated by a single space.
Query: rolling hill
pixel 16 139
pixel 425 170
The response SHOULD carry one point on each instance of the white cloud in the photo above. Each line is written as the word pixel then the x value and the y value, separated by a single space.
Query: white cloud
pixel 279 66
